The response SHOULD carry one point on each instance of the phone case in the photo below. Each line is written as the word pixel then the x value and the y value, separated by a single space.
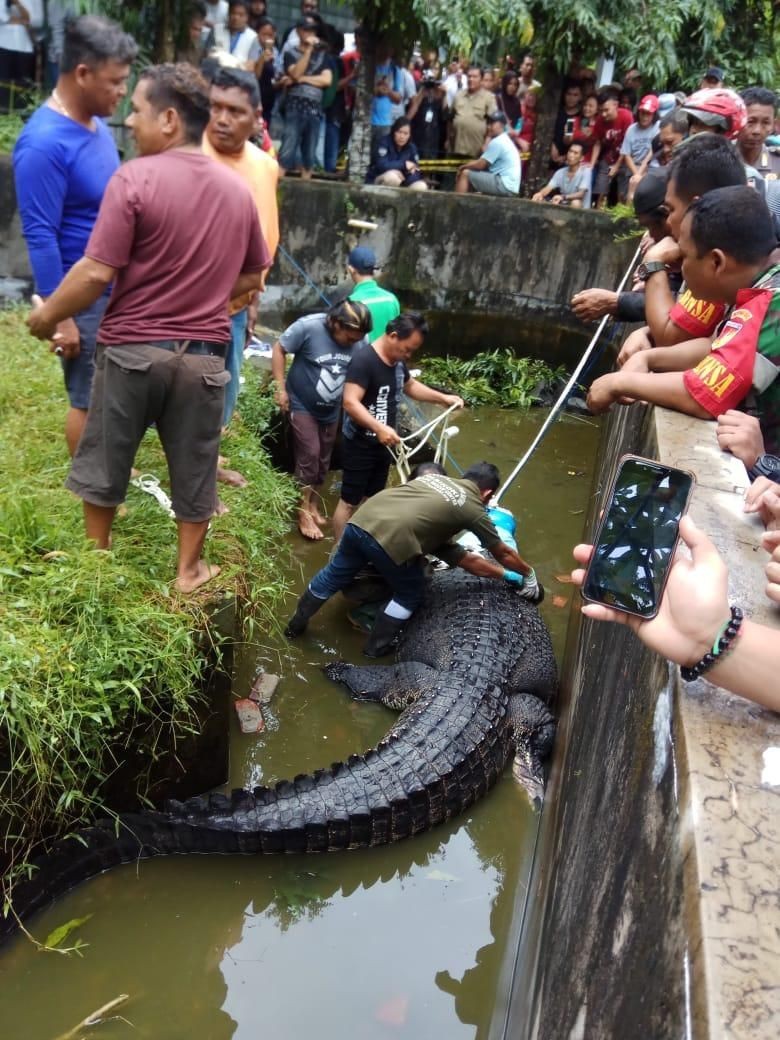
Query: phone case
pixel 653 464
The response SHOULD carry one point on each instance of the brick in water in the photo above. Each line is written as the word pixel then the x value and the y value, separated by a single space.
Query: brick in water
pixel 264 687
pixel 250 718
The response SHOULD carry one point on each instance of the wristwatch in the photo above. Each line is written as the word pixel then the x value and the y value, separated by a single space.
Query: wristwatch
pixel 766 466
pixel 648 267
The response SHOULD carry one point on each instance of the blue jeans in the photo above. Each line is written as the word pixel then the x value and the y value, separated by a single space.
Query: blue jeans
pixel 355 550
pixel 332 142
pixel 80 371
pixel 301 130
pixel 233 359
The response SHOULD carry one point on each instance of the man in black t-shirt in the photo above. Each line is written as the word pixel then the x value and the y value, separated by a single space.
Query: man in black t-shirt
pixel 376 377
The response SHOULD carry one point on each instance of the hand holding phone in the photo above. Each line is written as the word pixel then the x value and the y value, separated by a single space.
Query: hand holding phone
pixel 637 536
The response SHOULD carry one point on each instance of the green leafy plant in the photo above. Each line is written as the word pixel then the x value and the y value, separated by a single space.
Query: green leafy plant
pixel 97 653
pixel 495 377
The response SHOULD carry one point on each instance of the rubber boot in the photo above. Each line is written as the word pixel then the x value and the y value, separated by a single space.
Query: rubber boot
pixel 308 605
pixel 383 635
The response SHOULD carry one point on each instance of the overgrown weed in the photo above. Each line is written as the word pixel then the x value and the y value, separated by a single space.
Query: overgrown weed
pixel 94 645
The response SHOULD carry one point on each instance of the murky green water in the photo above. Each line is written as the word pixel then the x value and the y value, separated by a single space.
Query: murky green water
pixel 405 941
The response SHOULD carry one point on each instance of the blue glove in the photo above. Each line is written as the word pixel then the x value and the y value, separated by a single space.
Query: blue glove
pixel 514 578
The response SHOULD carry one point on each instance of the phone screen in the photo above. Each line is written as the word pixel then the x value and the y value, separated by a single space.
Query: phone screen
pixel 637 537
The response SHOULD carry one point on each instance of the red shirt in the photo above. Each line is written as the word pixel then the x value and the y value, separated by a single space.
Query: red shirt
pixel 611 134
pixel 179 228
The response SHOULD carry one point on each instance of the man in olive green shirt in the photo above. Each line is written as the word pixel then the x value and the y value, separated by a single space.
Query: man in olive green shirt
pixel 470 111
pixel 382 305
pixel 395 529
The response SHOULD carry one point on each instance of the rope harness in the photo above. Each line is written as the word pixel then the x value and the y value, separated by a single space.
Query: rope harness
pixel 402 453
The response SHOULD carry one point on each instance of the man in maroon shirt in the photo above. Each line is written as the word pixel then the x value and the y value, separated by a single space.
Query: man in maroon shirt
pixel 178 236
pixel 608 132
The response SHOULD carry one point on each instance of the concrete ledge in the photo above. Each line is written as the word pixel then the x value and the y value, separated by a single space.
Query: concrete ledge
pixel 654 907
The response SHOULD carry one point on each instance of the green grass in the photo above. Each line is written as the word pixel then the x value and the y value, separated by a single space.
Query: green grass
pixel 95 644
pixel 495 377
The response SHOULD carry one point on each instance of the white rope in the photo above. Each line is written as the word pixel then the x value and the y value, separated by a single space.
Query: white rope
pixel 150 484
pixel 566 391
pixel 402 454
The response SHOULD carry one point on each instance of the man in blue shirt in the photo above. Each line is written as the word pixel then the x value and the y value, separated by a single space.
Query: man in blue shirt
pixel 62 162
pixel 497 171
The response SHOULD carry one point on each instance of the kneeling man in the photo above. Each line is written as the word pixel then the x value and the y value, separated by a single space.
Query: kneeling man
pixel 395 529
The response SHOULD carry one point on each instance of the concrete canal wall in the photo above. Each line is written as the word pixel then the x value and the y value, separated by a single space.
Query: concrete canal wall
pixel 488 272
pixel 654 907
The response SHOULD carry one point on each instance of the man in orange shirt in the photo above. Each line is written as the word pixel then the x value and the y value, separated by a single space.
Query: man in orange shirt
pixel 235 110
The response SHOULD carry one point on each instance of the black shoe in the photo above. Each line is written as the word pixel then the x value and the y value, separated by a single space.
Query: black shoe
pixel 308 605
pixel 383 635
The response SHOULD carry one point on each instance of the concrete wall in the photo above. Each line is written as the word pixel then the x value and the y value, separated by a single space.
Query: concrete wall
pixel 489 272
pixel 654 906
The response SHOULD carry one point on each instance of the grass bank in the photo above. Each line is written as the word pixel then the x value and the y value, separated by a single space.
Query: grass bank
pixel 93 644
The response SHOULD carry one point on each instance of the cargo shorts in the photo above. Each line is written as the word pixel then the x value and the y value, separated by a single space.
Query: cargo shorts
pixel 136 385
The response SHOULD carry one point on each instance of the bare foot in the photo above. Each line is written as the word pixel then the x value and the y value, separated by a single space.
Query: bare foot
pixel 193 580
pixel 232 477
pixel 220 509
pixel 308 527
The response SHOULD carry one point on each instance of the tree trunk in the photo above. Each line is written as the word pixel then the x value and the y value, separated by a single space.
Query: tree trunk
pixel 547 108
pixel 360 139
pixel 165 37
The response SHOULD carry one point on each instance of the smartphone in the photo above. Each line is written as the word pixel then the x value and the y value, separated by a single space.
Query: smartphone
pixel 568 128
pixel 637 536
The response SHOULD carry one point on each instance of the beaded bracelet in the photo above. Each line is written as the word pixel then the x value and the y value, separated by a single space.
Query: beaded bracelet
pixel 721 646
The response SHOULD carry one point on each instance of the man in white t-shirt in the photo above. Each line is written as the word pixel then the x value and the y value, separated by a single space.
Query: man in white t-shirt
pixel 497 170
pixel 216 15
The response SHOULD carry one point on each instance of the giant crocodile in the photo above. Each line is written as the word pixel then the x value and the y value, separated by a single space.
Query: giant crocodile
pixel 468 677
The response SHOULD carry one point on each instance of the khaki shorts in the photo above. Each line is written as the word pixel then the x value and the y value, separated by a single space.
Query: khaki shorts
pixel 136 385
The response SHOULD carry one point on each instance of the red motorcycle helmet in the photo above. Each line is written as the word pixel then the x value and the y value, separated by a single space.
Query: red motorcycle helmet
pixel 719 107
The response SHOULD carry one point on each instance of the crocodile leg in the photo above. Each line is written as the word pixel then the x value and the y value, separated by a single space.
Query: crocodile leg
pixel 394 685
pixel 533 728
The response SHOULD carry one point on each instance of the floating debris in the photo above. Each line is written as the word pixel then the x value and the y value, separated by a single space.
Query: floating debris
pixel 250 718
pixel 264 687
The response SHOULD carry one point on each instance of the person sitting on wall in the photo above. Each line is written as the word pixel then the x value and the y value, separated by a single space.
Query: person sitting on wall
pixel 322 346
pixel 569 186
pixel 497 171
pixel 726 241
pixel 376 377
pixel 396 162
pixel 394 531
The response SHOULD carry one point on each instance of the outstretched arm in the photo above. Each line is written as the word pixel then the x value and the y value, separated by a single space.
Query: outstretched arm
pixel 693 611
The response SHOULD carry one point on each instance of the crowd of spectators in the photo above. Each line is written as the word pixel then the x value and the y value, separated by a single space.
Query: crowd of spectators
pixel 428 118
pixel 706 296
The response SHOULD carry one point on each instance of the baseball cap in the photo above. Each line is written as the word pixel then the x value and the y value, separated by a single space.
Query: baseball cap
pixel 362 259
pixel 497 117
pixel 714 72
pixel 307 22
pixel 650 193
pixel 649 103
pixel 666 104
